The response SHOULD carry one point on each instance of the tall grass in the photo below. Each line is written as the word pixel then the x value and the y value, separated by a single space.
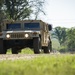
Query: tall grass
pixel 42 65
pixel 27 51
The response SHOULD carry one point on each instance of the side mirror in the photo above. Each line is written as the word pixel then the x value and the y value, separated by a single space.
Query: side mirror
pixel 50 27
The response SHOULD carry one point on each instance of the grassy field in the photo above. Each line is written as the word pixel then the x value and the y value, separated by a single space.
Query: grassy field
pixel 42 65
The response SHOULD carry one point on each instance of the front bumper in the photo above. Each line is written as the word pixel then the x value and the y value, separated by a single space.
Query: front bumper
pixel 21 35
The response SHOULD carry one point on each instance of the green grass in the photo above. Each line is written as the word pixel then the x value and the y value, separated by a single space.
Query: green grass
pixel 42 65
pixel 24 51
pixel 27 51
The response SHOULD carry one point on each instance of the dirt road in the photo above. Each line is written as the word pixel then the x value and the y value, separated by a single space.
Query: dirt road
pixel 17 56
pixel 21 56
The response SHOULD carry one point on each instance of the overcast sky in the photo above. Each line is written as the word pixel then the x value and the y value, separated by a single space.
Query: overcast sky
pixel 60 13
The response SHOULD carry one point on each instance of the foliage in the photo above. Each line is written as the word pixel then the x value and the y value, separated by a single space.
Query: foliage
pixel 17 9
pixel 42 65
pixel 63 49
pixel 22 9
pixel 55 44
pixel 37 7
pixel 27 51
pixel 60 34
pixel 71 38
pixel 1 11
pixel 66 38
pixel 1 3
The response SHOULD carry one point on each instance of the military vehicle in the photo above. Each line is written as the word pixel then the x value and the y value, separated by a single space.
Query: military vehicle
pixel 28 33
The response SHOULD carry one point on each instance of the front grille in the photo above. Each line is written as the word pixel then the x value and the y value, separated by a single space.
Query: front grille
pixel 17 35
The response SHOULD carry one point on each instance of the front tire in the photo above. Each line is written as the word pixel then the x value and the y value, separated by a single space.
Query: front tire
pixel 48 48
pixel 3 48
pixel 14 50
pixel 37 45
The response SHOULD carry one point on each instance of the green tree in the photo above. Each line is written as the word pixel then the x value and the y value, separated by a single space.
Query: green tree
pixel 1 13
pixel 60 34
pixel 21 9
pixel 17 9
pixel 37 7
pixel 71 38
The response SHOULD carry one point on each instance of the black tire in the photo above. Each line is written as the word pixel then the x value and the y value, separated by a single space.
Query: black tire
pixel 3 48
pixel 36 45
pixel 48 48
pixel 14 50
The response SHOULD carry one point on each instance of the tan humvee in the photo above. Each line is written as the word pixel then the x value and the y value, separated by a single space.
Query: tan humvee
pixel 28 33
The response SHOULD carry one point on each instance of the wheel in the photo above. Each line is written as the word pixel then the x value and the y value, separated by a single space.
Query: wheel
pixel 48 48
pixel 14 50
pixel 37 45
pixel 3 48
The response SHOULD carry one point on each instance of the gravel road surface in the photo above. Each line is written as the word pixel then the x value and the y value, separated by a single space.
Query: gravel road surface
pixel 21 56
pixel 17 56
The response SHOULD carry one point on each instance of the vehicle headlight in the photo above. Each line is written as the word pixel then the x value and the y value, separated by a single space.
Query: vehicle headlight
pixel 26 35
pixel 8 35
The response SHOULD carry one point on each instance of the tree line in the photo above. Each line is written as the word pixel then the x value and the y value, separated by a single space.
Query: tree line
pixel 66 38
pixel 20 9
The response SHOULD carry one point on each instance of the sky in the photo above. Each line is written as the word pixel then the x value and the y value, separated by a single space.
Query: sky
pixel 59 13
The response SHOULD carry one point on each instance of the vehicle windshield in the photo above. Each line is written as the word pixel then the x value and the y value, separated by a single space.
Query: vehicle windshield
pixel 32 26
pixel 13 26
